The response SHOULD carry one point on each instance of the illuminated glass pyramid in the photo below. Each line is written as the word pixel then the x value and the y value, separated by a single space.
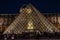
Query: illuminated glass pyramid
pixel 30 20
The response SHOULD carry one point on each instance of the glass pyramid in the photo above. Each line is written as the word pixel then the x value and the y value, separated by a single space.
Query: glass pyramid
pixel 30 20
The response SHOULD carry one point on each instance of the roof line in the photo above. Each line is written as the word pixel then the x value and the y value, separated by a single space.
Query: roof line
pixel 9 14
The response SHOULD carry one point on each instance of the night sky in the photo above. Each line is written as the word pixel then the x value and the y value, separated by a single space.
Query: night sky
pixel 44 6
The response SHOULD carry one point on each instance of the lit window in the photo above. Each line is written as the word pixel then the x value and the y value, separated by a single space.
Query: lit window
pixel 30 25
pixel 28 10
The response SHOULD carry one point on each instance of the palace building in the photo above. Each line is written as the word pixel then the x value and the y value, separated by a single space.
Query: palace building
pixel 7 19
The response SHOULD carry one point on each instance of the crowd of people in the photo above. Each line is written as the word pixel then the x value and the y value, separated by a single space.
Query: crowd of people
pixel 28 36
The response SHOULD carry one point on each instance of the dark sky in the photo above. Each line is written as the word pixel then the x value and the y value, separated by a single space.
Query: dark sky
pixel 44 6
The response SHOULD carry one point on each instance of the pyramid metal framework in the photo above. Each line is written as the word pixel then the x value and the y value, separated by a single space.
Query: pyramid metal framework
pixel 30 20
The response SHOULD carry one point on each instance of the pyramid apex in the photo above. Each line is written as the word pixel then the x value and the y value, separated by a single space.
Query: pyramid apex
pixel 26 8
pixel 30 4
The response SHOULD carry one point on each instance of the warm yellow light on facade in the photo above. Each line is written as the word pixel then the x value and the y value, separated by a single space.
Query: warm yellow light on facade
pixel 30 25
